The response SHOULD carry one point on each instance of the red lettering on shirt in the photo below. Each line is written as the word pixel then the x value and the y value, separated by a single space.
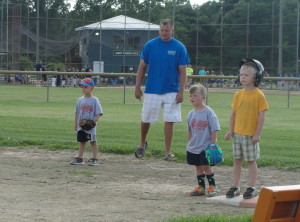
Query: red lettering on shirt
pixel 85 108
pixel 198 125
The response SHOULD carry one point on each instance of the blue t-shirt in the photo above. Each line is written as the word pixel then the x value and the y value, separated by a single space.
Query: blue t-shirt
pixel 202 72
pixel 201 124
pixel 163 59
pixel 88 108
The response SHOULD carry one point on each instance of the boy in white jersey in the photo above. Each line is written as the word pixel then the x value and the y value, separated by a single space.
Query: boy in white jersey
pixel 203 126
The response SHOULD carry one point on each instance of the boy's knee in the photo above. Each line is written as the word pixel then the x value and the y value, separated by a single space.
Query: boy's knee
pixel 252 162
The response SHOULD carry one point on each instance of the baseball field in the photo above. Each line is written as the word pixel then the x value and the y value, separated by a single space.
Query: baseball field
pixel 38 141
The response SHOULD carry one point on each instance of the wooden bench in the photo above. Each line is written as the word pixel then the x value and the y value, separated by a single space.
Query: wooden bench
pixel 278 204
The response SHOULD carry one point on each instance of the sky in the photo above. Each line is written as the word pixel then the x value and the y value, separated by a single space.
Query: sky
pixel 199 2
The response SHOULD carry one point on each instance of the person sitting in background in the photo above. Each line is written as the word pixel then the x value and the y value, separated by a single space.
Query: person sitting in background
pixel 189 72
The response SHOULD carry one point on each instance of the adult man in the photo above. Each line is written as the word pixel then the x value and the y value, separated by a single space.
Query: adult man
pixel 166 59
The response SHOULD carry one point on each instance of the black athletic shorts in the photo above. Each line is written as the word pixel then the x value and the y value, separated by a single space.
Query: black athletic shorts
pixel 83 136
pixel 196 159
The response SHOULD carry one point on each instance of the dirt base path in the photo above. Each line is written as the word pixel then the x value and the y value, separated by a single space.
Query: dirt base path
pixel 41 185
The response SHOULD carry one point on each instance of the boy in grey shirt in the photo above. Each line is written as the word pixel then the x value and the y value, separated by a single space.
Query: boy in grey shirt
pixel 87 107
pixel 203 126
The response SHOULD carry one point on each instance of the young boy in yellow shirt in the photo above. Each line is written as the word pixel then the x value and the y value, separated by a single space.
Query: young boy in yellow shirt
pixel 246 123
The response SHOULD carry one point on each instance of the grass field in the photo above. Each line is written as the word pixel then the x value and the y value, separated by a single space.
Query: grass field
pixel 27 120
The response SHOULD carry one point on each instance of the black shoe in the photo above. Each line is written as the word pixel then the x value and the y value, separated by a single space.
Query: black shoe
pixel 93 162
pixel 250 193
pixel 233 192
pixel 77 161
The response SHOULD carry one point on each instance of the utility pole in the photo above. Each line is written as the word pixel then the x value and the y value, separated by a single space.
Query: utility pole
pixel 37 46
pixel 280 39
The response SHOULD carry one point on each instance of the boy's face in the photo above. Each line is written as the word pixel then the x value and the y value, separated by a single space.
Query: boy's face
pixel 247 76
pixel 87 90
pixel 196 99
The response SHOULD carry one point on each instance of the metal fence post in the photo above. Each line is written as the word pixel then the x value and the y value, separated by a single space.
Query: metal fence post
pixel 47 91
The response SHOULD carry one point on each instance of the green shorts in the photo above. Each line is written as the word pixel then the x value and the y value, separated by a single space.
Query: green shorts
pixel 244 148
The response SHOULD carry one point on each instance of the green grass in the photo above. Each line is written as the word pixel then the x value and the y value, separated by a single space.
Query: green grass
pixel 28 121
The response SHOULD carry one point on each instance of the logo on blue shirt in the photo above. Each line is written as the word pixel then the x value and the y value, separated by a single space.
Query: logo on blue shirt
pixel 171 52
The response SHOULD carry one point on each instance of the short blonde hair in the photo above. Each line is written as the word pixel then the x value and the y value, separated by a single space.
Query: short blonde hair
pixel 251 66
pixel 198 88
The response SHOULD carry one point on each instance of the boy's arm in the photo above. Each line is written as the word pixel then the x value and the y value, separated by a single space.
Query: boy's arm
pixel 214 137
pixel 96 118
pixel 260 124
pixel 75 122
pixel 231 126
pixel 189 134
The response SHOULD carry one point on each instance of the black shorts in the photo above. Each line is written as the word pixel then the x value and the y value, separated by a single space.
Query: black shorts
pixel 196 159
pixel 44 77
pixel 83 136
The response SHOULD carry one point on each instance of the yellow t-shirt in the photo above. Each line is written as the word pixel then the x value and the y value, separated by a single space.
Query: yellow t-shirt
pixel 189 71
pixel 247 105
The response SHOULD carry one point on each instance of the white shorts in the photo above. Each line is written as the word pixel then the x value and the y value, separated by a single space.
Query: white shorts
pixel 154 102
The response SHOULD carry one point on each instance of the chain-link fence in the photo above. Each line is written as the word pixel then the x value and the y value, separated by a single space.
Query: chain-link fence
pixel 217 35
pixel 118 88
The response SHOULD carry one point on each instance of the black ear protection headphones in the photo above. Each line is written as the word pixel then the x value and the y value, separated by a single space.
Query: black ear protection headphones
pixel 259 68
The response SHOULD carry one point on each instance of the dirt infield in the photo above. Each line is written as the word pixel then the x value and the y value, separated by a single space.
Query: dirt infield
pixel 41 185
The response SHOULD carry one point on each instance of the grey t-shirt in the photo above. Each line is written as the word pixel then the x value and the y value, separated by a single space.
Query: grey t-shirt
pixel 87 108
pixel 201 124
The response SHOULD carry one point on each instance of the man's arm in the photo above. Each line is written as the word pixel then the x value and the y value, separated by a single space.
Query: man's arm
pixel 182 80
pixel 140 75
pixel 260 124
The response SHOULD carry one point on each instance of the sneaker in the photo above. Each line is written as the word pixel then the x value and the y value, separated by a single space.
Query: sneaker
pixel 250 193
pixel 233 192
pixel 212 191
pixel 198 191
pixel 93 162
pixel 77 161
pixel 170 157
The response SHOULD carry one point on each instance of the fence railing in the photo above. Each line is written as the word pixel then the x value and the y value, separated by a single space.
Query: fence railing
pixel 51 86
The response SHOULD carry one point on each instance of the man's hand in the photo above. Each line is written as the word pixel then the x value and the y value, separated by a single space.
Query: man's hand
pixel 138 94
pixel 179 97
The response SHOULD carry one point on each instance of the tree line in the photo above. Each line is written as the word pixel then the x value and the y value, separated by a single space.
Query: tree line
pixel 217 34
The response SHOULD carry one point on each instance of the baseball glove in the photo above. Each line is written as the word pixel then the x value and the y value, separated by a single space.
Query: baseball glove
pixel 87 124
pixel 214 154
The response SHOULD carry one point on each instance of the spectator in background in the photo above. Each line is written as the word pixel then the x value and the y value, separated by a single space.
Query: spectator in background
pixel 53 81
pixel 202 72
pixel 88 69
pixel 279 82
pixel 44 76
pixel 39 68
pixel 189 72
